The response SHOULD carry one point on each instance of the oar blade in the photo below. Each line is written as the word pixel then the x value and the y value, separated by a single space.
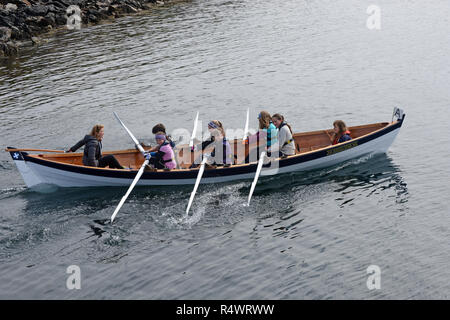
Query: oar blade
pixel 246 126
pixel 255 180
pixel 194 131
pixel 197 182
pixel 133 184
pixel 136 142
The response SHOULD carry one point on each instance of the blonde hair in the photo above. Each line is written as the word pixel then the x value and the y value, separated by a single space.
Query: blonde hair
pixel 95 131
pixel 219 127
pixel 264 120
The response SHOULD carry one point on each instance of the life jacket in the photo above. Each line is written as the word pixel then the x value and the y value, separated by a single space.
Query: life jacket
pixel 169 157
pixel 288 141
pixel 271 134
pixel 227 155
pixel 336 140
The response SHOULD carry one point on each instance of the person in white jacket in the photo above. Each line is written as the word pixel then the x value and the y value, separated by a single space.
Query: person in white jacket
pixel 285 138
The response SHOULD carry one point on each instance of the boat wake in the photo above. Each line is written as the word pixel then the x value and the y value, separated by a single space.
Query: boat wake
pixel 11 192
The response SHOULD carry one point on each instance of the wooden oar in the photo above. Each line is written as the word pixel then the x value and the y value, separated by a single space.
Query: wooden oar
pixel 139 174
pixel 191 143
pixel 136 179
pixel 258 171
pixel 197 182
pixel 37 150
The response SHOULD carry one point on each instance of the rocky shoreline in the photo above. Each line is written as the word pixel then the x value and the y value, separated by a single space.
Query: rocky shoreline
pixel 22 21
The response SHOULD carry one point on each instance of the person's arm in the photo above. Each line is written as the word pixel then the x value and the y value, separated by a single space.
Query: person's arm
pixel 77 146
pixel 202 146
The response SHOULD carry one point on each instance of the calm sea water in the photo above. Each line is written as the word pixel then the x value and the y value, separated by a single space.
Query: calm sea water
pixel 305 236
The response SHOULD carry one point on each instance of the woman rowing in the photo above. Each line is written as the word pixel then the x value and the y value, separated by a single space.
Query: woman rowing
pixel 159 128
pixel 285 138
pixel 267 132
pixel 219 145
pixel 92 155
pixel 163 156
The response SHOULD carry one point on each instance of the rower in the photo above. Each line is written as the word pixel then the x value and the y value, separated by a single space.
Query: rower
pixel 285 138
pixel 267 131
pixel 92 155
pixel 221 154
pixel 163 157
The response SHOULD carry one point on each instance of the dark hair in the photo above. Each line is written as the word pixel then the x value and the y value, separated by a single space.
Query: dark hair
pixel 281 118
pixel 341 125
pixel 159 127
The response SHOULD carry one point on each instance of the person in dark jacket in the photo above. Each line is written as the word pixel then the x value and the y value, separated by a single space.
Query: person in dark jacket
pixel 92 155
pixel 221 154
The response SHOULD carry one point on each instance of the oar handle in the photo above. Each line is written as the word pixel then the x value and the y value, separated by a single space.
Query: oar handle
pixel 37 150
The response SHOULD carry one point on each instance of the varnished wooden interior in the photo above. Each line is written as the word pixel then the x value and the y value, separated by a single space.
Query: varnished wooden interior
pixel 304 142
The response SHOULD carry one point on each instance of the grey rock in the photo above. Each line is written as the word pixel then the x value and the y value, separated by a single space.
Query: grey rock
pixel 8 48
pixel 11 7
pixel 5 34
pixel 38 10
pixel 61 19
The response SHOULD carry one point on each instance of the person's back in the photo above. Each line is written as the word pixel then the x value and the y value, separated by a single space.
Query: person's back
pixel 271 135
pixel 345 137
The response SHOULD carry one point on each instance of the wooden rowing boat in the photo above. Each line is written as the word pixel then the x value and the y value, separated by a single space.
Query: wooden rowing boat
pixel 313 151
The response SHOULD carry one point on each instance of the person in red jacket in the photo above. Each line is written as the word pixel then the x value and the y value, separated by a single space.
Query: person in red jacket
pixel 341 133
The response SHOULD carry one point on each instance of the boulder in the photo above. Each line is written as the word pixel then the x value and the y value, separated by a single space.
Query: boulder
pixel 61 19
pixel 19 3
pixel 5 34
pixel 10 7
pixel 37 10
pixel 50 18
